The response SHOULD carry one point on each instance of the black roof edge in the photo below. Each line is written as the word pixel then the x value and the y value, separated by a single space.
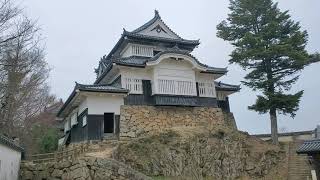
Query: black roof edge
pixel 73 93
pixel 215 72
pixel 309 152
pixel 232 88
pixel 10 143
pixel 162 39
pixel 130 65
pixel 81 88
pixel 151 21
pixel 103 91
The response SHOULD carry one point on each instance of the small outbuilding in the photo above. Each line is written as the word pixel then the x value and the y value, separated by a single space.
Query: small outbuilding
pixel 10 158
pixel 312 149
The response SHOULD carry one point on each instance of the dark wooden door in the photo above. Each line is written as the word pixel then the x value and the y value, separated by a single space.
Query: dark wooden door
pixel 108 123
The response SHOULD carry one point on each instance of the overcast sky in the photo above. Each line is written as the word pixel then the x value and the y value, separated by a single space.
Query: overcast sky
pixel 79 32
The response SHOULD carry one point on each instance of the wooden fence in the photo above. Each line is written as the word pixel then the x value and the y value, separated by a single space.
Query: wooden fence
pixel 69 153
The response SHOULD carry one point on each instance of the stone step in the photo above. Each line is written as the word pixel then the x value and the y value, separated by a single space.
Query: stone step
pixel 298 165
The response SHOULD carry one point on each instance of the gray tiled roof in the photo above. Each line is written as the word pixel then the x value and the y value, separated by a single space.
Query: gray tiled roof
pixel 154 19
pixel 132 60
pixel 100 88
pixel 141 61
pixel 309 147
pixel 91 88
pixel 9 143
pixel 157 38
pixel 226 87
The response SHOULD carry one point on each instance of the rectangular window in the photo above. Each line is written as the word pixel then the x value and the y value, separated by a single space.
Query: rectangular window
pixel 133 85
pixel 74 120
pixel 142 51
pixel 67 126
pixel 84 120
pixel 206 89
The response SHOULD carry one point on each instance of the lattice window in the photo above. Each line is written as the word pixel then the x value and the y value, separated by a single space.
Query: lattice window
pixel 206 89
pixel 142 51
pixel 134 85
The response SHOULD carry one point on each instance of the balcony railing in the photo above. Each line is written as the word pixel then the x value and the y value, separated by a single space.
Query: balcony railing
pixel 171 87
pixel 133 85
pixel 206 89
pixel 174 87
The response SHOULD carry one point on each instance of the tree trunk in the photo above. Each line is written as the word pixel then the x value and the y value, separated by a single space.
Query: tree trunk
pixel 274 126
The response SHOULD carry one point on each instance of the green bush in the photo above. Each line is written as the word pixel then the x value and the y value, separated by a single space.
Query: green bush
pixel 48 142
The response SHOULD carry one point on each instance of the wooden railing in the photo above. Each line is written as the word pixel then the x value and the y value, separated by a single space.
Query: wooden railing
pixel 134 85
pixel 59 155
pixel 206 89
pixel 174 87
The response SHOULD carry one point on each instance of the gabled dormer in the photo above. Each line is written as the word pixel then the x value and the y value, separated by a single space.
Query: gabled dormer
pixel 152 38
pixel 154 33
pixel 157 28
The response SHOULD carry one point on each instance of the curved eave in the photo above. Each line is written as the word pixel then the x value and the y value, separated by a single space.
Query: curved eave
pixel 130 64
pixel 149 23
pixel 161 39
pixel 185 55
pixel 227 87
pixel 219 71
pixel 71 96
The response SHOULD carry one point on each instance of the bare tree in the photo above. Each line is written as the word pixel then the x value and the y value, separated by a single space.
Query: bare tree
pixel 23 70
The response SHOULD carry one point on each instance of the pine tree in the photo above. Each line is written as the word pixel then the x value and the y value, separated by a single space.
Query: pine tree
pixel 270 46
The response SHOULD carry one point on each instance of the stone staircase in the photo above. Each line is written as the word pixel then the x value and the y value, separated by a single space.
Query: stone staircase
pixel 298 165
pixel 102 149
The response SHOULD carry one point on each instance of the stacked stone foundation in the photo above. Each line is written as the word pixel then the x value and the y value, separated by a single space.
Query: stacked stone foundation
pixel 137 121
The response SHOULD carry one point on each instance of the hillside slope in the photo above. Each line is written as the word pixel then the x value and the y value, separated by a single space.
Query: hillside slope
pixel 197 153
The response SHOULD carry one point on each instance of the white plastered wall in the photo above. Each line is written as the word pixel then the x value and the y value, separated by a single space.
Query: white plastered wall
pixel 98 104
pixel 178 70
pixel 174 69
pixel 139 73
pixel 9 163
pixel 150 31
pixel 106 103
pixel 170 69
pixel 83 106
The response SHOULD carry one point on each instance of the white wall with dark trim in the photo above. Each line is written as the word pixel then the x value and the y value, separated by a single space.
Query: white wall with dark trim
pixel 9 163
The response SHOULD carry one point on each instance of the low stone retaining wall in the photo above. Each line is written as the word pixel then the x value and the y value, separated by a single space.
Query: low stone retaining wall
pixel 89 168
pixel 140 120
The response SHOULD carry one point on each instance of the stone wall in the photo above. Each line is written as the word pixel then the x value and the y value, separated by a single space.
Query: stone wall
pixel 200 153
pixel 141 120
pixel 89 168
